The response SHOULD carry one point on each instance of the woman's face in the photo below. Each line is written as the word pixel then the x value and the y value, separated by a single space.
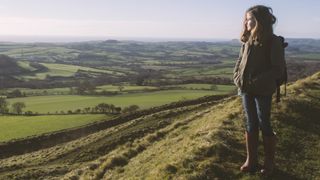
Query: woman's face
pixel 250 22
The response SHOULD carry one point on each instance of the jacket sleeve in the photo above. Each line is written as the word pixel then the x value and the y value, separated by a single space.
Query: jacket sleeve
pixel 236 68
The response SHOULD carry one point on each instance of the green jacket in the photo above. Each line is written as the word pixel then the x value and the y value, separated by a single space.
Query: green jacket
pixel 256 71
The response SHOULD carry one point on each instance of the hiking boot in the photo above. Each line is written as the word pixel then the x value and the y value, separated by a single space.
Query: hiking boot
pixel 251 164
pixel 269 143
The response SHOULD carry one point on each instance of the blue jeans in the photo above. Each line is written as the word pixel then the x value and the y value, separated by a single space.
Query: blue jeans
pixel 257 110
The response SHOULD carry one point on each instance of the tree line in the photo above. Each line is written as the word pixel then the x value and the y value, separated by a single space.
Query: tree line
pixel 17 107
pixel 102 108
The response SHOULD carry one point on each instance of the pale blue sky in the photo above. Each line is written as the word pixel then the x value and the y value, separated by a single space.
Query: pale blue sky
pixel 152 18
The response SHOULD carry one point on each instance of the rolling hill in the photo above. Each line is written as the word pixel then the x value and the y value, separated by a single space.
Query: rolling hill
pixel 194 141
pixel 9 66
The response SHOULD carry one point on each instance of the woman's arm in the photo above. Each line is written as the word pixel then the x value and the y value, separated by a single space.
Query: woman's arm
pixel 236 68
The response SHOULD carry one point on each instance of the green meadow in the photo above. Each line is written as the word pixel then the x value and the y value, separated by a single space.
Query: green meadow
pixel 35 92
pixel 15 127
pixel 26 65
pixel 308 56
pixel 221 88
pixel 204 71
pixel 52 104
pixel 125 88
pixel 64 70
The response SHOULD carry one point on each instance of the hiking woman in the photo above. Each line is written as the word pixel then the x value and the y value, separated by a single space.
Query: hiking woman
pixel 260 63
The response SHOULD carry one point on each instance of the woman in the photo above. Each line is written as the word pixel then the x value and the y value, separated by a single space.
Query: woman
pixel 260 63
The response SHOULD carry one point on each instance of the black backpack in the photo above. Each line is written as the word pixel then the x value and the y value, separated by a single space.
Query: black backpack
pixel 284 77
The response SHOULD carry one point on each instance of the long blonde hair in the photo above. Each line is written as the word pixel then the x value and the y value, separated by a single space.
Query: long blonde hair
pixel 263 31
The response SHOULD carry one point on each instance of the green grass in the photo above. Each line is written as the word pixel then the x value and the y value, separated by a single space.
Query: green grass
pixel 26 65
pixel 308 56
pixel 125 88
pixel 65 91
pixel 46 52
pixel 32 92
pixel 214 71
pixel 206 87
pixel 212 146
pixel 15 127
pixel 44 104
pixel 64 70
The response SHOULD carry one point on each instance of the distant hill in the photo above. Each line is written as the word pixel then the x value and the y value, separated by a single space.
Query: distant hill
pixel 8 69
pixel 195 141
pixel 9 66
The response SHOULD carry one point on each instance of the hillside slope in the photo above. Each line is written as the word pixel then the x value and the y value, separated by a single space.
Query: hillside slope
pixel 203 141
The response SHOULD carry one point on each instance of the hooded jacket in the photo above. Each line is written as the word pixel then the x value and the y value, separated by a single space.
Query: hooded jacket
pixel 258 67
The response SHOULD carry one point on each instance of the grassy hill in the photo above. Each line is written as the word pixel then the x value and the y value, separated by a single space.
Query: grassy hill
pixel 203 141
pixel 9 66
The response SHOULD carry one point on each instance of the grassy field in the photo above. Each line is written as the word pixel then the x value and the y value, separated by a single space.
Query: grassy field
pixel 115 88
pixel 65 91
pixel 26 65
pixel 44 104
pixel 29 50
pixel 15 127
pixel 224 88
pixel 308 56
pixel 213 71
pixel 35 92
pixel 125 88
pixel 65 70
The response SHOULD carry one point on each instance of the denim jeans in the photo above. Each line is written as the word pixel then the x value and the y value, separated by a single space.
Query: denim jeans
pixel 257 110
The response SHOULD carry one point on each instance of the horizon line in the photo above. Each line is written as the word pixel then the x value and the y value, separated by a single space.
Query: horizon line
pixel 71 38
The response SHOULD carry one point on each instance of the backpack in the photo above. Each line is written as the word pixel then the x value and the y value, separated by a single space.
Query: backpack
pixel 284 77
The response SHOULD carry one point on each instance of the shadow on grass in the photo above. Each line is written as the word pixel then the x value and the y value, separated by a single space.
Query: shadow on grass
pixel 230 153
pixel 303 114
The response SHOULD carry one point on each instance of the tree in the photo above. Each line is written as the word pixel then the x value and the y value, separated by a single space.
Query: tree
pixel 120 88
pixel 130 109
pixel 3 105
pixel 117 110
pixel 71 90
pixel 15 93
pixel 86 110
pixel 18 106
pixel 103 107
pixel 29 113
pixel 111 108
pixel 84 87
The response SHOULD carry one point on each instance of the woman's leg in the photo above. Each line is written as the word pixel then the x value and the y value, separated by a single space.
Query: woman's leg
pixel 269 138
pixel 263 106
pixel 251 134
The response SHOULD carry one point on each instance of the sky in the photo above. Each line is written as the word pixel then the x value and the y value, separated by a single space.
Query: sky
pixel 129 19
